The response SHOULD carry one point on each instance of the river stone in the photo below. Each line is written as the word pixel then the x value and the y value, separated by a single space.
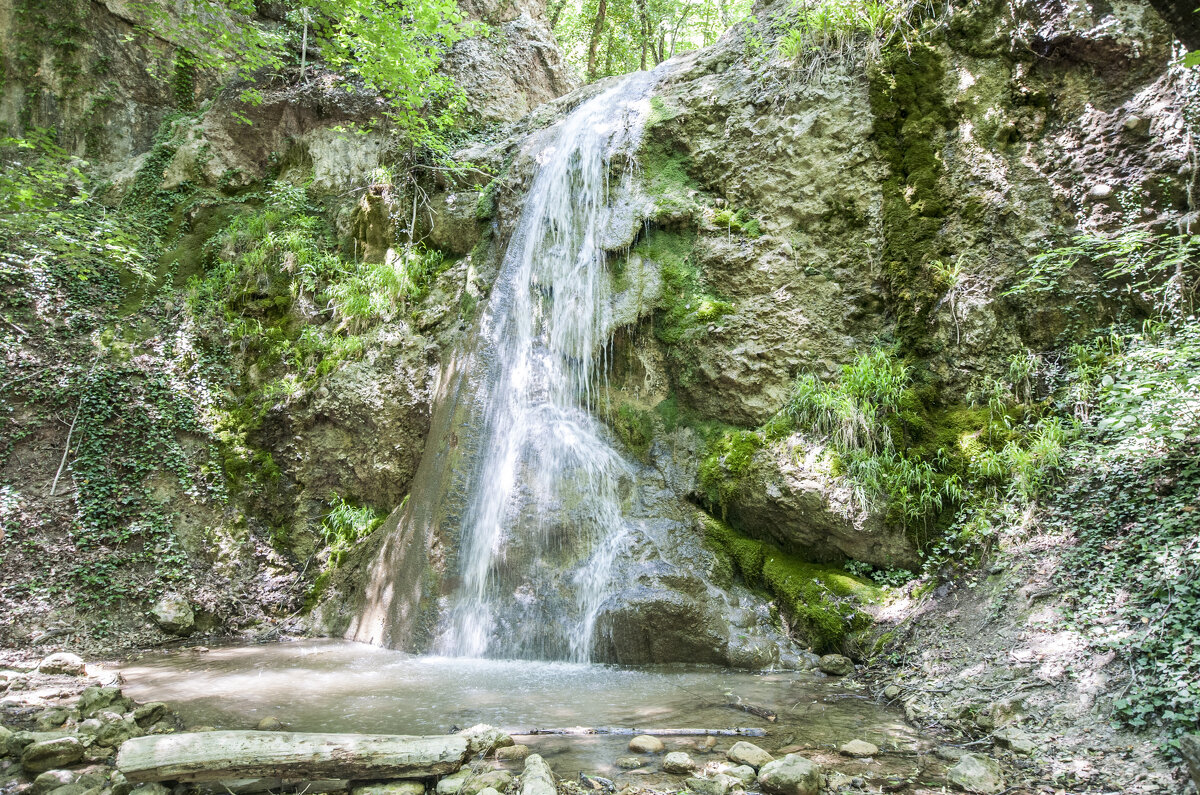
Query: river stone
pixel 451 784
pixel 483 739
pixel 976 773
pixel 71 789
pixel 491 779
pixel 792 775
pixel 744 753
pixel 743 773
pixel 46 755
pixel 892 691
pixel 390 788
pixel 119 784
pixel 630 762
pixel 150 789
pixel 52 718
pixel 269 724
pixel 719 784
pixel 836 665
pixel 859 748
pixel 6 736
pixel 678 762
pixel 174 615
pixel 113 733
pixel 646 744
pixel 63 663
pixel 52 780
pixel 537 778
pixel 489 791
pixel 1015 740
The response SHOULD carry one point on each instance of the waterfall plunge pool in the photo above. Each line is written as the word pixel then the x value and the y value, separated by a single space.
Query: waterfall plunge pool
pixel 340 686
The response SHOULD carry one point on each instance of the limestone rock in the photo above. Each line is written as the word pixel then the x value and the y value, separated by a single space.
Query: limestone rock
pixel 743 773
pixel 537 778
pixel 451 784
pixel 149 713
pixel 483 739
pixel 836 665
pixel 174 615
pixel 494 779
pixel 1189 748
pixel 49 754
pixel 977 773
pixel 646 744
pixel 678 762
pixel 718 784
pixel 63 663
pixel 744 753
pixel 859 748
pixel 150 789
pixel 630 762
pixel 97 699
pixel 269 724
pixel 792 775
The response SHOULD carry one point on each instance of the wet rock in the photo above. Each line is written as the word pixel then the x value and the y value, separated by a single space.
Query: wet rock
pixel 744 753
pixel 96 699
pixel 46 755
pixel 70 789
pixel 269 724
pixel 891 692
pixel 836 665
pixel 678 762
pixel 1015 740
pixel 489 791
pixel 483 739
pixel 63 663
pixel 859 748
pixel 119 784
pixel 630 762
pixel 792 775
pixel 52 780
pixel 743 773
pixel 537 779
pixel 494 779
pixel 646 744
pixel 390 788
pixel 513 752
pixel 976 773
pixel 149 713
pixel 174 615
pixel 114 732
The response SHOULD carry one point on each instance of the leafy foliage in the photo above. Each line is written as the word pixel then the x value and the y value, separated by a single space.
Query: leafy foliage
pixel 345 525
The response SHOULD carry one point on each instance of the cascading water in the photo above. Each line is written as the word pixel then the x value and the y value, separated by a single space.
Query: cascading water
pixel 545 486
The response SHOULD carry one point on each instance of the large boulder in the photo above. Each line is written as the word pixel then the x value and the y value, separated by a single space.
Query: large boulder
pixel 792 775
pixel 174 615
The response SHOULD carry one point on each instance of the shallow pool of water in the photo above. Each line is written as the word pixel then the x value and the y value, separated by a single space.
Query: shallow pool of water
pixel 338 686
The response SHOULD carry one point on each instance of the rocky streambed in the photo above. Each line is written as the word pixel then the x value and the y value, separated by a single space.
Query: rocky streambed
pixel 65 721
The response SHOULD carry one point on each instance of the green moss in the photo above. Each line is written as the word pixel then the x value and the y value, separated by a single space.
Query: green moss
pixel 739 221
pixel 686 307
pixel 822 603
pixel 728 455
pixel 635 428
pixel 911 117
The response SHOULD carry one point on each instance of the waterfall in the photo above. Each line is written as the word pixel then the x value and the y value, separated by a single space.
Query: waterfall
pixel 542 521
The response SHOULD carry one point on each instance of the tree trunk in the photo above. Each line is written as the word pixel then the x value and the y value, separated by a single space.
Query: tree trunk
pixel 594 42
pixel 214 756
pixel 644 20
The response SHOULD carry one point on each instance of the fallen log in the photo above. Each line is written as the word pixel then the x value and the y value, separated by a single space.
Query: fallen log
pixel 214 756
pixel 585 730
pixel 761 712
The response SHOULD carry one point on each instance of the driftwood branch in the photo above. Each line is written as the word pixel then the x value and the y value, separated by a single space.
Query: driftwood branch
pixel 586 730
pixel 224 755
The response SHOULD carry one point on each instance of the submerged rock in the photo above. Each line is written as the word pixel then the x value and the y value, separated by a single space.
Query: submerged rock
pixel 792 775
pixel 630 762
pixel 977 773
pixel 269 724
